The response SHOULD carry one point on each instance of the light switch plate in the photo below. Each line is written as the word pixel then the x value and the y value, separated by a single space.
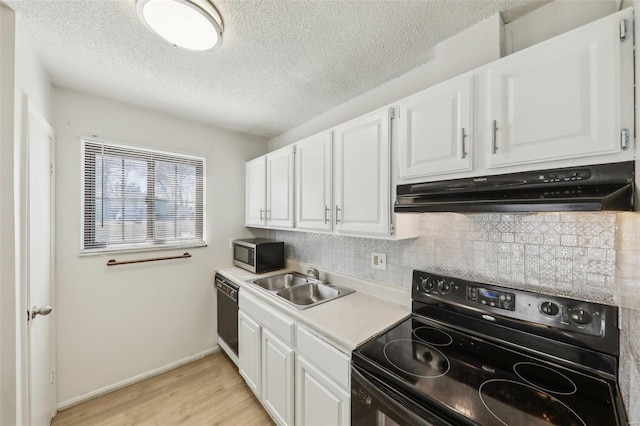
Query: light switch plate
pixel 379 260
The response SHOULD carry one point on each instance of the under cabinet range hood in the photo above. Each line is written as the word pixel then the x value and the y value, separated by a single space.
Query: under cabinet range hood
pixel 583 188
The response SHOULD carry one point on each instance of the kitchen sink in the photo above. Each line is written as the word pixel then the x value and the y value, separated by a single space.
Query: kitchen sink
pixel 300 290
pixel 282 281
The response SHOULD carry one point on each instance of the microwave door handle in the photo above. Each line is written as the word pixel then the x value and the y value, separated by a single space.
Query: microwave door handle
pixel 389 402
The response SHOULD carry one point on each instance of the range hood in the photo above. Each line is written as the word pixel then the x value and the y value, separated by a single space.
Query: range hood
pixel 584 188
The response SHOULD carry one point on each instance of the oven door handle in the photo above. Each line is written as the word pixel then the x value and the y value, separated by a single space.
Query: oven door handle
pixel 389 402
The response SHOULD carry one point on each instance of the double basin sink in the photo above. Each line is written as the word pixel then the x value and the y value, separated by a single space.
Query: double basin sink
pixel 300 290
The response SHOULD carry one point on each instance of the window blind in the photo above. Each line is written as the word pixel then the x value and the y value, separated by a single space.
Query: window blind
pixel 136 198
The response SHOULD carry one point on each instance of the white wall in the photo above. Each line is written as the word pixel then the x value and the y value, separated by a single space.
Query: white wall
pixel 115 323
pixel 553 19
pixel 7 242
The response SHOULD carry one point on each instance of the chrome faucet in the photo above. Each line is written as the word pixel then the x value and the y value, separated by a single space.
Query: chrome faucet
pixel 314 272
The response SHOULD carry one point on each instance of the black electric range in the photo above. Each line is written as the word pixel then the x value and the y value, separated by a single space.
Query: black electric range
pixel 478 354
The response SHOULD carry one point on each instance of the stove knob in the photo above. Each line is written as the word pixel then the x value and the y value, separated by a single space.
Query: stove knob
pixel 579 316
pixel 549 308
pixel 426 283
pixel 444 286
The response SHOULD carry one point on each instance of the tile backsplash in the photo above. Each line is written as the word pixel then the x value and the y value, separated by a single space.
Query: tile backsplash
pixel 567 254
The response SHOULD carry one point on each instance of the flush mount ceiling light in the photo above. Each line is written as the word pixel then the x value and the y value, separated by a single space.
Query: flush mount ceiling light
pixel 188 24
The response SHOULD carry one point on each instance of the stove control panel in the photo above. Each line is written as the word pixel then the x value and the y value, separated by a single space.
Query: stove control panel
pixel 490 300
pixel 493 298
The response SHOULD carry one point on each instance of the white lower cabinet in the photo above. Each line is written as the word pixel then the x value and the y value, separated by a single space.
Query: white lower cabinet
pixel 277 378
pixel 249 348
pixel 319 400
pixel 298 377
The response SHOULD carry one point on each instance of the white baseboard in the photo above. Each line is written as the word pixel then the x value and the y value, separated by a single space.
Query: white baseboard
pixel 135 379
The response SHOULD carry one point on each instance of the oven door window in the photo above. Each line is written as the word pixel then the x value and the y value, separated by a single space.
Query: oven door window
pixel 243 254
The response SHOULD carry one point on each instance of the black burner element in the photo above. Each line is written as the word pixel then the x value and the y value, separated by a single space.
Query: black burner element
pixel 433 336
pixel 545 378
pixel 534 407
pixel 416 358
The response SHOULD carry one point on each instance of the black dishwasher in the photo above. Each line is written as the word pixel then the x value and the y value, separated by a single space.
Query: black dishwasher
pixel 227 316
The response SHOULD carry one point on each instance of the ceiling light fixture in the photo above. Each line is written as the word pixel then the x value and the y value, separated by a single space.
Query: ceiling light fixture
pixel 188 24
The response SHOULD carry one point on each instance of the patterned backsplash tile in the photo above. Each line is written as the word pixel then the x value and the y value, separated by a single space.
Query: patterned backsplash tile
pixel 566 254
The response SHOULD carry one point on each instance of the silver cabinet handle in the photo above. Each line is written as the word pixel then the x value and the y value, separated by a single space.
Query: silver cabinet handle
pixel 494 147
pixel 267 214
pixel 337 211
pixel 464 144
pixel 326 214
pixel 42 310
pixel 261 210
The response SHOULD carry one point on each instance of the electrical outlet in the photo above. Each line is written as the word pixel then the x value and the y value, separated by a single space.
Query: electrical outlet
pixel 379 260
pixel 231 244
pixel 53 376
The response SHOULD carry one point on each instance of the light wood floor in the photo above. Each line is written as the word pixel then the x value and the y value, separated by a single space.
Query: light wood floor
pixel 206 392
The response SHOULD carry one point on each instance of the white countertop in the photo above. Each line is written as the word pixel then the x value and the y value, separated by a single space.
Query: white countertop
pixel 346 321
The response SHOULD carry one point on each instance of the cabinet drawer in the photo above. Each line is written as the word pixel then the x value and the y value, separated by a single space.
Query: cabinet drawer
pixel 280 325
pixel 330 360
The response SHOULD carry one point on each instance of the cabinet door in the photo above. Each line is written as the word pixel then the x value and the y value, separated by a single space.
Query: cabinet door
pixel 277 378
pixel 280 188
pixel 559 99
pixel 313 182
pixel 362 164
pixel 249 351
pixel 434 130
pixel 255 192
pixel 319 401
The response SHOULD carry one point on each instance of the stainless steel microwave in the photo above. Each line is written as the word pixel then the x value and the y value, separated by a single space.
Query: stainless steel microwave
pixel 258 255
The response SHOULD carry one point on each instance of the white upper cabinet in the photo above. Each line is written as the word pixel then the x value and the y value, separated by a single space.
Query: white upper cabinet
pixel 279 206
pixel 563 98
pixel 362 173
pixel 434 130
pixel 255 191
pixel 313 182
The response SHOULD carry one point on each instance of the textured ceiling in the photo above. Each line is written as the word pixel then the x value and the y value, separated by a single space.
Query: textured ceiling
pixel 282 62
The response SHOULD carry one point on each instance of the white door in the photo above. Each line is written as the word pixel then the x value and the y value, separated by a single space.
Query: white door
pixel 41 387
pixel 255 191
pixel 277 378
pixel 319 401
pixel 559 99
pixel 249 352
pixel 280 187
pixel 313 182
pixel 434 130
pixel 362 170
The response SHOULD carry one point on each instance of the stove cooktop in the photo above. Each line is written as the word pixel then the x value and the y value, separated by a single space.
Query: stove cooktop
pixel 484 383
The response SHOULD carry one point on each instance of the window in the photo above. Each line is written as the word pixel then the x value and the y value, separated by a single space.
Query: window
pixel 136 198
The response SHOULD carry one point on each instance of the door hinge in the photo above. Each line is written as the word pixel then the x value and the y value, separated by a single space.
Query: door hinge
pixel 623 29
pixel 624 138
pixel 392 112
